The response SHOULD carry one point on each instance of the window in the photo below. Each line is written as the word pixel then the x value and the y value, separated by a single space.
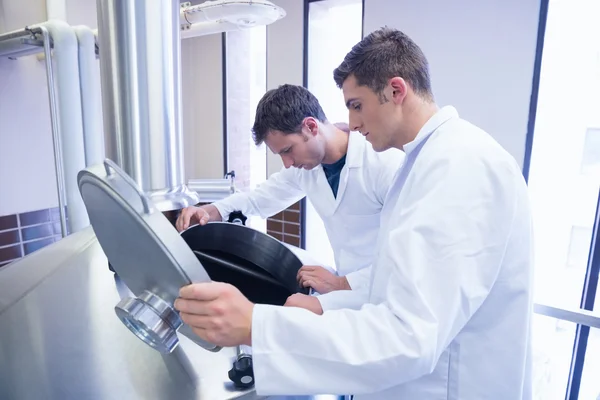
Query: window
pixel 590 161
pixel 334 26
pixel 246 82
pixel 579 247
pixel 564 179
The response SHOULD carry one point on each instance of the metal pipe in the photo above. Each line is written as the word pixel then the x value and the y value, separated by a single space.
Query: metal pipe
pixel 141 96
pixel 577 316
pixel 68 99
pixel 17 34
pixel 27 50
pixel 211 190
pixel 15 45
pixel 243 350
pixel 91 107
pixel 56 142
pixel 20 43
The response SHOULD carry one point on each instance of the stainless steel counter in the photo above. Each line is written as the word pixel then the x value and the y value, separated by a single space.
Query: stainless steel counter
pixel 60 337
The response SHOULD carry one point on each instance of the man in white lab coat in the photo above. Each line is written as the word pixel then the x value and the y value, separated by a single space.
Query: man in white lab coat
pixel 448 314
pixel 339 172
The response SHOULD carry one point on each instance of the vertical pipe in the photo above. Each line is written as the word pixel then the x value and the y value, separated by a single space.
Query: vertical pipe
pixel 68 99
pixel 91 107
pixel 56 142
pixel 140 69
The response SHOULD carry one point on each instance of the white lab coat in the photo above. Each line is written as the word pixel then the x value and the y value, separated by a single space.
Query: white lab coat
pixel 351 219
pixel 448 313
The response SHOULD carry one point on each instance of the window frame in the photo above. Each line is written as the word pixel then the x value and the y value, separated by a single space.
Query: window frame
pixel 584 317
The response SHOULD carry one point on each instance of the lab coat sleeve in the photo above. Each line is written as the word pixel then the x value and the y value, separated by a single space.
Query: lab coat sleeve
pixel 277 193
pixel 360 278
pixel 338 299
pixel 438 264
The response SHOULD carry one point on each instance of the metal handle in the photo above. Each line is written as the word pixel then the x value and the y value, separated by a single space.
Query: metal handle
pixel 243 350
pixel 242 371
pixel 108 164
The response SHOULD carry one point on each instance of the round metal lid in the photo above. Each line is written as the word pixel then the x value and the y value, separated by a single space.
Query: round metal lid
pixel 144 249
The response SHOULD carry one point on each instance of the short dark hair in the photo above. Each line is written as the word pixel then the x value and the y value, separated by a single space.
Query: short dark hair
pixel 382 55
pixel 283 109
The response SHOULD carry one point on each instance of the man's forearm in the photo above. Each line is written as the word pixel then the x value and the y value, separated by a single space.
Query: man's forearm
pixel 213 212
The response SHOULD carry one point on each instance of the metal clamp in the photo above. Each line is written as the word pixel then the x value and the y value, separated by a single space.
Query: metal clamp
pixel 184 6
pixel 108 164
pixel 242 372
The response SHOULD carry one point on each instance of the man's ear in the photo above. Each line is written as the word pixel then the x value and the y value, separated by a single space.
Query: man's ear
pixel 399 89
pixel 312 125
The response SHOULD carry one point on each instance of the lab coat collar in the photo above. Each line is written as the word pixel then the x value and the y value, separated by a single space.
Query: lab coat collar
pixel 354 159
pixel 443 115
pixel 354 154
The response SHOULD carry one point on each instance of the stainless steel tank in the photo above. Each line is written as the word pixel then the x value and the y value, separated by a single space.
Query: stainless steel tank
pixel 60 338
pixel 71 329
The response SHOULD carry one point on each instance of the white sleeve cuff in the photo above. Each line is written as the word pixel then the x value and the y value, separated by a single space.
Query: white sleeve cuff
pixel 338 299
pixel 223 210
pixel 354 281
pixel 359 279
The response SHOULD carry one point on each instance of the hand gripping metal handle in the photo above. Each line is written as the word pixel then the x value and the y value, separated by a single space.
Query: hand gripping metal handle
pixel 108 164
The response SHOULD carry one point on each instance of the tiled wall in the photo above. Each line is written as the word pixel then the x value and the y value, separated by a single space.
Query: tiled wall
pixel 22 234
pixel 285 225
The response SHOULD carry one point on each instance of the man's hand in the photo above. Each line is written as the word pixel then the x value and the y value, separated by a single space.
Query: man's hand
pixel 217 312
pixel 311 303
pixel 321 280
pixel 200 215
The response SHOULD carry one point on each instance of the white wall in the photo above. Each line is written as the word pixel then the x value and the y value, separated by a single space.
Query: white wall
pixel 481 55
pixel 82 12
pixel 285 62
pixel 27 178
pixel 2 19
pixel 202 93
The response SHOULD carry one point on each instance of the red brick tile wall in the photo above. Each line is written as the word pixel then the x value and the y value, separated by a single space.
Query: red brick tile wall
pixel 22 234
pixel 285 226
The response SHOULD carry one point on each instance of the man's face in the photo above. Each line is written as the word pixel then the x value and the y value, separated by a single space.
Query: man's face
pixel 377 119
pixel 300 150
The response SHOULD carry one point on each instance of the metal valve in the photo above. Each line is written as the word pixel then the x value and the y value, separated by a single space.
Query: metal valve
pixel 151 319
